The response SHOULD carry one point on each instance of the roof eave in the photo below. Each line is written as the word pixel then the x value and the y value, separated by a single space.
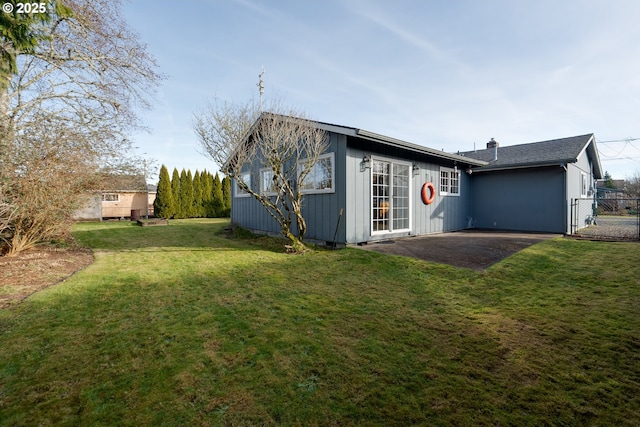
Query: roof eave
pixel 490 168
pixel 393 142
pixel 597 166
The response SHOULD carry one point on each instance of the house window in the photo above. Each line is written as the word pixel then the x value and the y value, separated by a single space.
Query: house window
pixel 321 177
pixel 267 184
pixel 246 178
pixel 110 197
pixel 585 185
pixel 389 196
pixel 449 182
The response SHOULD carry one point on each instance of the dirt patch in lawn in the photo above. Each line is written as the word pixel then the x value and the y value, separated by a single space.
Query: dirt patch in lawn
pixel 36 269
pixel 469 249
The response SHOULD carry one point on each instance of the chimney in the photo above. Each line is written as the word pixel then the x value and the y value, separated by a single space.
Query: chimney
pixel 493 144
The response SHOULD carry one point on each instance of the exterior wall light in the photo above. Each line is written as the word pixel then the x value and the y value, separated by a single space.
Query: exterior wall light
pixel 365 163
pixel 415 169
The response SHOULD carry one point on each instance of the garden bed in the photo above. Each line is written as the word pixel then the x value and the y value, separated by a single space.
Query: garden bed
pixel 152 222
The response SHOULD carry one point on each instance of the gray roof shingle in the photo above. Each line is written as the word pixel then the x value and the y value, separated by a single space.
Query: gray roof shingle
pixel 122 183
pixel 544 153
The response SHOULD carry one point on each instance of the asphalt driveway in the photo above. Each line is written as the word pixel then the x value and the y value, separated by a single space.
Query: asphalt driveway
pixel 469 249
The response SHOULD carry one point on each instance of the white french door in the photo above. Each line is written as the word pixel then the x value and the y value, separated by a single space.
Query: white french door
pixel 390 204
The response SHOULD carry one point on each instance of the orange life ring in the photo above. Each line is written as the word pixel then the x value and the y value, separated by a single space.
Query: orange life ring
pixel 428 199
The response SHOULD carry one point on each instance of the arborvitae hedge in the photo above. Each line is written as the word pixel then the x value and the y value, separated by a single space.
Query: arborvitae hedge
pixel 192 196
pixel 226 196
pixel 175 191
pixel 163 205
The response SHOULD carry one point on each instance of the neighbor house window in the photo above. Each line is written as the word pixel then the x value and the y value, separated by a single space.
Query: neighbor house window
pixel 246 178
pixel 449 182
pixel 389 196
pixel 321 178
pixel 110 197
pixel 267 184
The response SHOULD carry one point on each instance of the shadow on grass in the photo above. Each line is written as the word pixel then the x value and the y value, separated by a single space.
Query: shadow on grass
pixel 347 337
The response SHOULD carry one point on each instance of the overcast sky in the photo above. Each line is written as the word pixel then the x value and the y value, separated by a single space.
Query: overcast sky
pixel 444 74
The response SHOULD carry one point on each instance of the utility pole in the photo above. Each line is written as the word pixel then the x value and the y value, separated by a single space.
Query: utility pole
pixel 146 187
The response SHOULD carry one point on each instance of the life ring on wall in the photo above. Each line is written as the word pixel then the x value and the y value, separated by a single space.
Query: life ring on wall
pixel 427 199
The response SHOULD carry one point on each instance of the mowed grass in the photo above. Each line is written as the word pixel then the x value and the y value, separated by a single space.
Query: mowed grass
pixel 179 325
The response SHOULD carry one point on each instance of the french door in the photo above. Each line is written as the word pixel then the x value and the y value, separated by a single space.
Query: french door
pixel 389 196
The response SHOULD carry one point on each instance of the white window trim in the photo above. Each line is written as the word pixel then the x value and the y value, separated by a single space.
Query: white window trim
pixel 266 193
pixel 333 175
pixel 111 201
pixel 450 171
pixel 584 185
pixel 239 193
pixel 410 176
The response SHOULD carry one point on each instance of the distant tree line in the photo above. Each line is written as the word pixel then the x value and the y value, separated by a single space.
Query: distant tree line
pixel 185 195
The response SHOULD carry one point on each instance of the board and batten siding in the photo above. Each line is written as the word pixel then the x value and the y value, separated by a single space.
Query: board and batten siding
pixel 446 213
pixel 321 211
pixel 575 172
pixel 520 199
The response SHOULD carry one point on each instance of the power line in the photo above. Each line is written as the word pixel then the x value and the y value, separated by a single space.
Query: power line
pixel 627 142
pixel 633 159
pixel 614 155
pixel 630 139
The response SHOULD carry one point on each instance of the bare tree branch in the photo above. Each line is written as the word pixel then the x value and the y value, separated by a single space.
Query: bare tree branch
pixel 239 139
pixel 66 112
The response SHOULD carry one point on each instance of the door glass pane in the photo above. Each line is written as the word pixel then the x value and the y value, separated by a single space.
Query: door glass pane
pixel 400 200
pixel 380 194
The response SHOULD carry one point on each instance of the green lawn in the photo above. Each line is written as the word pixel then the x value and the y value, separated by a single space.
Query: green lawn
pixel 179 325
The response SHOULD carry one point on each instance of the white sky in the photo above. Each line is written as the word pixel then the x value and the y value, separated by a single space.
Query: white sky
pixel 444 74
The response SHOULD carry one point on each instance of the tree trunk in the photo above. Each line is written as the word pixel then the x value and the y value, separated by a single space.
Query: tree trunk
pixel 6 129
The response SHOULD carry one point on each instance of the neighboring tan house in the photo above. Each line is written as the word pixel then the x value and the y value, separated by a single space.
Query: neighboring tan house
pixel 380 184
pixel 122 196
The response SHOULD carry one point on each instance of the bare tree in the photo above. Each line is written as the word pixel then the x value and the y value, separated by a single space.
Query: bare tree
pixel 241 140
pixel 632 185
pixel 48 185
pixel 67 109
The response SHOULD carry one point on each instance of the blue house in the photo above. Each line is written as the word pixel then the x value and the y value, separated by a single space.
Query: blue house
pixel 530 187
pixel 388 188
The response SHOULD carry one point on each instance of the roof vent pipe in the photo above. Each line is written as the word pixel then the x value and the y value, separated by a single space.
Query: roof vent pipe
pixel 493 144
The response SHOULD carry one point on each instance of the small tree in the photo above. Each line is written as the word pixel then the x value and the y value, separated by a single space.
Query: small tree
pixel 226 196
pixel 175 193
pixel 186 194
pixel 217 198
pixel 240 139
pixel 197 208
pixel 207 187
pixel 608 181
pixel 163 205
